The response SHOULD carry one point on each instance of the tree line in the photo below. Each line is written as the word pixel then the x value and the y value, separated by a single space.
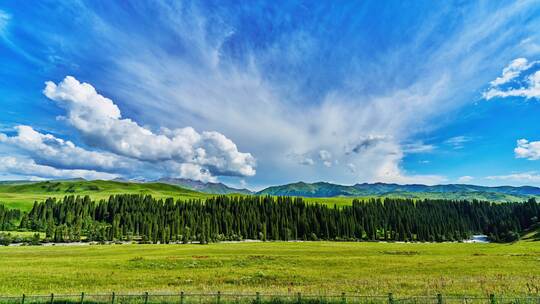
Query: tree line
pixel 146 219
pixel 8 218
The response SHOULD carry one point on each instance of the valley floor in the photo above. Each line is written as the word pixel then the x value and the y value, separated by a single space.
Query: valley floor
pixel 275 267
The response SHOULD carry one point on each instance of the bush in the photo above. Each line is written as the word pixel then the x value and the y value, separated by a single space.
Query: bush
pixel 5 239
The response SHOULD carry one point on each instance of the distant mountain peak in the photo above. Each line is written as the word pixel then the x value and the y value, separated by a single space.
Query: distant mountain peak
pixel 207 187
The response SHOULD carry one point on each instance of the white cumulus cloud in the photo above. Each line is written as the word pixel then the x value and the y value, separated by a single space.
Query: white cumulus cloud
pixel 527 149
pixel 50 150
pixel 511 71
pixel 326 158
pixel 527 86
pixel 101 124
pixel 195 172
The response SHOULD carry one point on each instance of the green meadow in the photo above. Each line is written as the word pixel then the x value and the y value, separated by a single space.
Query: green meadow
pixel 22 196
pixel 275 267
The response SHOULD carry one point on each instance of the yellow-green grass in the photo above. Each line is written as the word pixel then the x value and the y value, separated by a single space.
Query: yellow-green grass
pixel 339 201
pixel 24 233
pixel 275 267
pixel 23 196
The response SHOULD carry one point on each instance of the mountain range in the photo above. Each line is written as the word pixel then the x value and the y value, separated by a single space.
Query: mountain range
pixel 206 187
pixel 452 191
pixel 325 189
pixel 330 190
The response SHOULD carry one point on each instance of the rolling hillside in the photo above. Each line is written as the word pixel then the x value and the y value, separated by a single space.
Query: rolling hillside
pixel 23 195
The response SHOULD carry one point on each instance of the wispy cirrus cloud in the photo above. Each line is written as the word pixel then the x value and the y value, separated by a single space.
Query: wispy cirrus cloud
pixel 5 38
pixel 340 121
pixel 418 147
pixel 520 178
pixel 4 20
pixel 458 142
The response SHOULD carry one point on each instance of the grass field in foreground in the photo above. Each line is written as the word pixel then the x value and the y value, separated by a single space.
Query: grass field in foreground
pixel 275 267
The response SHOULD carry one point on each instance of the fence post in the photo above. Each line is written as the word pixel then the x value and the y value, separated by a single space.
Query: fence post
pixel 23 297
pixel 146 297
pixel 343 299
pixel 439 299
pixel 112 298
pixel 52 298
pixel 218 297
pixel 299 297
pixel 492 299
pixel 390 298
pixel 181 297
pixel 82 297
pixel 257 298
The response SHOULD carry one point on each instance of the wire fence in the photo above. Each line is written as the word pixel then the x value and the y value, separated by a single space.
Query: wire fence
pixel 258 298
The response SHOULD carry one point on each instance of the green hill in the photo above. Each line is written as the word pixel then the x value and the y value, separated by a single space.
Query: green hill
pixel 532 235
pixel 23 195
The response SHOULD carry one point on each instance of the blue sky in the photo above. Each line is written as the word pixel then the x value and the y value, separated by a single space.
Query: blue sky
pixel 260 93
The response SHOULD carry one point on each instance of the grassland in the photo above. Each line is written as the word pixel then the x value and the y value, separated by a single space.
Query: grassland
pixel 308 267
